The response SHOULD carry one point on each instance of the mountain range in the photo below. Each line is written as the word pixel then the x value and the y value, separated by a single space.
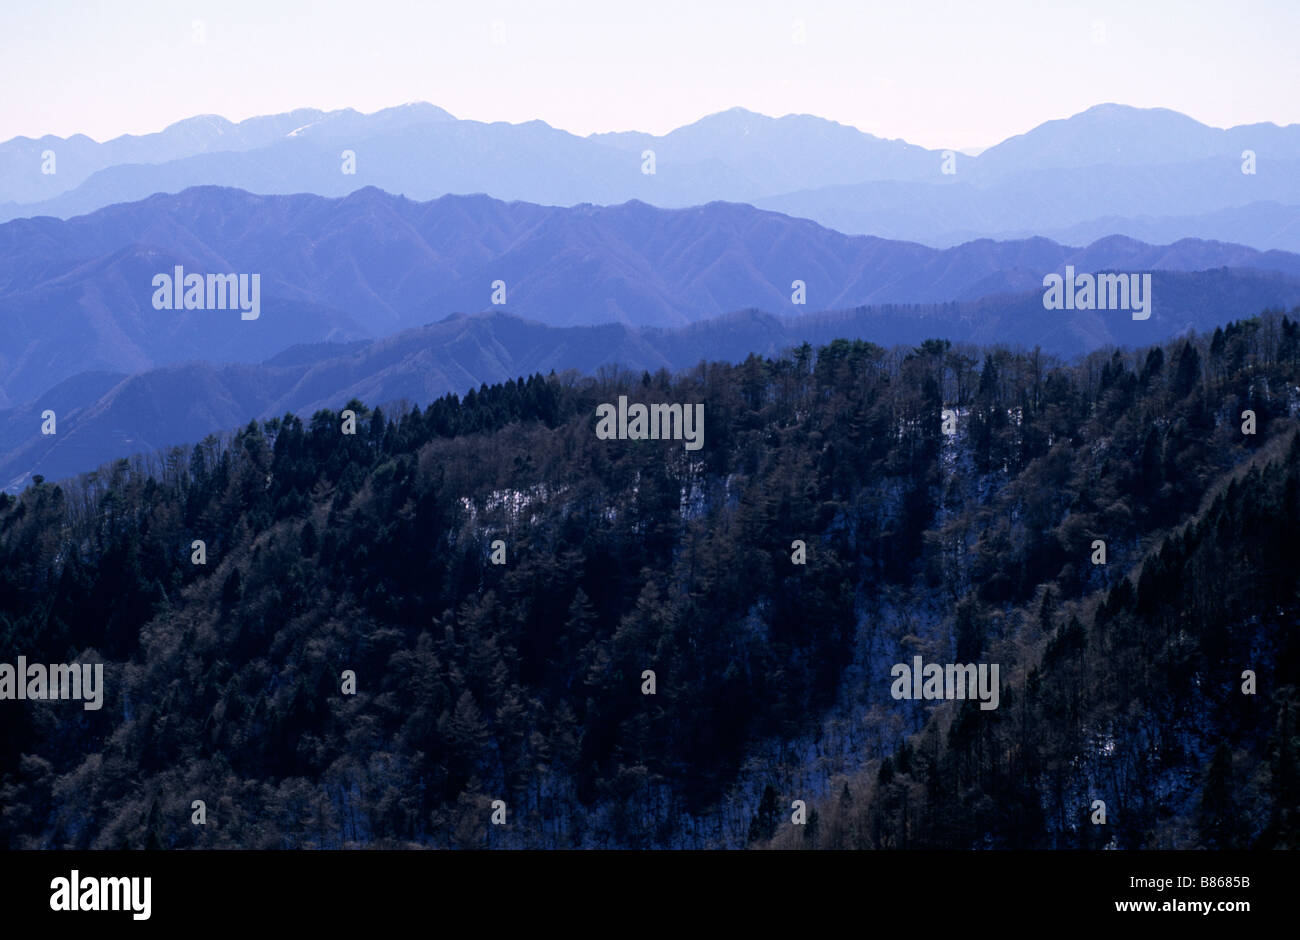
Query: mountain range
pixel 77 296
pixel 105 415
pixel 1112 169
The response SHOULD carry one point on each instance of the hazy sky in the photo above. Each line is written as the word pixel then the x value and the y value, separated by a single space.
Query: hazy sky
pixel 955 74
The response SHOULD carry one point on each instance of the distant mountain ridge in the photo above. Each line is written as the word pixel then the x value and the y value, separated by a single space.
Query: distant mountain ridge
pixel 103 416
pixel 76 296
pixel 1110 161
pixel 421 151
pixel 1208 198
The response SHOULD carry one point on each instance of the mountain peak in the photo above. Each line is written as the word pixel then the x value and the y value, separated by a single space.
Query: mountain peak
pixel 415 109
pixel 200 120
pixel 736 116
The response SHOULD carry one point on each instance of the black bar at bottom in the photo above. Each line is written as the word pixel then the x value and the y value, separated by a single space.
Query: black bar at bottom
pixel 674 890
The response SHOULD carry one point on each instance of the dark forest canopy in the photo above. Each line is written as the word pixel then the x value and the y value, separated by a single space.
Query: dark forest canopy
pixel 370 552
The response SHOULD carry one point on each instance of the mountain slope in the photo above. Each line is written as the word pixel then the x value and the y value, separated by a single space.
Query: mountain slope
pixel 332 557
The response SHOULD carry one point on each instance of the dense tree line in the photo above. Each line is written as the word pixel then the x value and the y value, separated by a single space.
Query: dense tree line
pixel 1129 681
pixel 372 552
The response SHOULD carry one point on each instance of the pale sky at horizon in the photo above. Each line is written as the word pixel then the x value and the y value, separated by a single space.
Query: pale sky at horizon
pixel 938 74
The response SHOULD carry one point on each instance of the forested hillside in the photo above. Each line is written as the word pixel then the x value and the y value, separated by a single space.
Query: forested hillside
pixel 372 553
